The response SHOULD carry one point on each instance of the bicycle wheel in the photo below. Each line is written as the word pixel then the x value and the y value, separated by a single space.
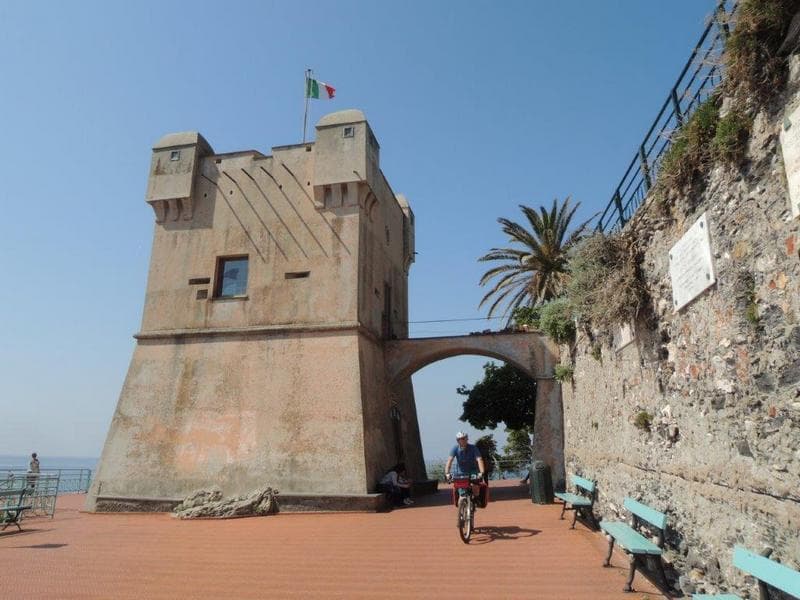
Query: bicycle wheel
pixel 465 519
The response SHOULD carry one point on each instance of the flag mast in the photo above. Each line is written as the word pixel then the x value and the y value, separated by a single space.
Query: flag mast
pixel 305 114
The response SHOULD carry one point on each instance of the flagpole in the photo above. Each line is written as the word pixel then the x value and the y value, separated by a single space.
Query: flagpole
pixel 305 113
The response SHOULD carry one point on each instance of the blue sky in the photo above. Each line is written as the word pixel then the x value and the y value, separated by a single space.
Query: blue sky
pixel 478 107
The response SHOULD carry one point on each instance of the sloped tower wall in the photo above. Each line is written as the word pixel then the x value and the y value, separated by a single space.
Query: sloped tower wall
pixel 273 282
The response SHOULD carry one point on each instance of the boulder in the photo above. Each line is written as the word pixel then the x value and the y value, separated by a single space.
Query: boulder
pixel 209 504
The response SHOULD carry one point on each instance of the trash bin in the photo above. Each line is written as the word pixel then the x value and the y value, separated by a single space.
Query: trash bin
pixel 541 483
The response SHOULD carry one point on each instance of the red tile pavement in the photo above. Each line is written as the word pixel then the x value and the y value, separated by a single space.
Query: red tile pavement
pixel 520 550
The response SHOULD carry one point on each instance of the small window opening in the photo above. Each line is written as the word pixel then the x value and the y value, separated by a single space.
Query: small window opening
pixel 328 195
pixel 343 188
pixel 175 155
pixel 296 275
pixel 199 280
pixel 348 131
pixel 231 278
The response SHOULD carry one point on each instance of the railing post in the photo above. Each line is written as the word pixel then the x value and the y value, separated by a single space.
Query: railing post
pixel 676 105
pixel 618 204
pixel 645 168
pixel 721 17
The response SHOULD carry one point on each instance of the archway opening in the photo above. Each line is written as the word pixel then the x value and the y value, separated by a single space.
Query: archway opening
pixel 496 401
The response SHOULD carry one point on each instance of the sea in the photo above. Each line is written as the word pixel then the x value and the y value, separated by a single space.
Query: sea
pixel 9 461
pixel 71 479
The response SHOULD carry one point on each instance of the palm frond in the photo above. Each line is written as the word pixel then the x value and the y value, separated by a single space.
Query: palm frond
pixel 534 268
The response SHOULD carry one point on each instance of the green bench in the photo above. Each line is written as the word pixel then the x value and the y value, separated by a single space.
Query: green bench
pixel 768 572
pixel 12 507
pixel 629 537
pixel 582 502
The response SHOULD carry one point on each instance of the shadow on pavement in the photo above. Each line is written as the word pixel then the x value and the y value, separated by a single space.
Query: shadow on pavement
pixel 17 534
pixel 488 533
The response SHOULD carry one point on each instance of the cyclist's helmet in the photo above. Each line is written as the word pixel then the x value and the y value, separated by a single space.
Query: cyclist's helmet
pixel 461 435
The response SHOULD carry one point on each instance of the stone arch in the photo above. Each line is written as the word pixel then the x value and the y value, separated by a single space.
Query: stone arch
pixel 532 353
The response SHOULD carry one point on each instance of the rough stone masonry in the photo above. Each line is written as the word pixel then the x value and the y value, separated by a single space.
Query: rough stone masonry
pixel 700 416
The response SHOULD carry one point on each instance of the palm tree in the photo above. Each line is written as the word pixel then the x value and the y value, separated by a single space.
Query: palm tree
pixel 535 269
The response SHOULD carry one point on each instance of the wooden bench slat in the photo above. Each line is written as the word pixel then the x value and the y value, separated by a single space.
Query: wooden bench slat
pixel 630 539
pixel 586 484
pixel 775 574
pixel 573 499
pixel 645 512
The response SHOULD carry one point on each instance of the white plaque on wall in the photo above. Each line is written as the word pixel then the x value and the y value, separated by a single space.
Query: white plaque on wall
pixel 790 146
pixel 690 267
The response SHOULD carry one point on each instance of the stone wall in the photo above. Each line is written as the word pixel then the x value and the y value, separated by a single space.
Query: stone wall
pixel 719 381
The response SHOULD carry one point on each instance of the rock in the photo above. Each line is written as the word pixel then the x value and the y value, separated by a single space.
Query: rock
pixel 725 385
pixel 744 448
pixel 693 559
pixel 790 374
pixel 712 571
pixel 685 585
pixel 209 504
pixel 200 497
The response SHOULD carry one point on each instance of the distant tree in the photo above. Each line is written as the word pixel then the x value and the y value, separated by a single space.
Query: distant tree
pixel 518 446
pixel 534 269
pixel 488 448
pixel 504 395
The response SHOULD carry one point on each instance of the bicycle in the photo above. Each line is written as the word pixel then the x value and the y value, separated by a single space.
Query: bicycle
pixel 467 504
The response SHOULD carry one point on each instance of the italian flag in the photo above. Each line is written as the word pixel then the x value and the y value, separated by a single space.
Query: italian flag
pixel 314 87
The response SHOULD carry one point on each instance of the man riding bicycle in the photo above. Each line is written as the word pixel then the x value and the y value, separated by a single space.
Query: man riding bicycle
pixel 468 462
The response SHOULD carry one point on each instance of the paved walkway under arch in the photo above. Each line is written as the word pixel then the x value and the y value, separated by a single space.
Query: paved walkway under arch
pixel 520 550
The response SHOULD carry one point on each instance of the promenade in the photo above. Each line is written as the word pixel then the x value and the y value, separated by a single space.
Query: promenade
pixel 520 550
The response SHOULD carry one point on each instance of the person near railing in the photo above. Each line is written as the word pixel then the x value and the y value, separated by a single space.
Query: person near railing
pixel 33 471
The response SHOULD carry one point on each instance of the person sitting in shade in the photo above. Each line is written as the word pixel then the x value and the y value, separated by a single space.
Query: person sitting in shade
pixel 396 484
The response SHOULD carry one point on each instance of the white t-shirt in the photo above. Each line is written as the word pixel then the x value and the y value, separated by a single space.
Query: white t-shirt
pixel 391 479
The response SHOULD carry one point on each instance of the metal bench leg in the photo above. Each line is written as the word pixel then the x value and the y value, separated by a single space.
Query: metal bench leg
pixel 7 523
pixel 607 562
pixel 663 574
pixel 563 508
pixel 574 518
pixel 631 572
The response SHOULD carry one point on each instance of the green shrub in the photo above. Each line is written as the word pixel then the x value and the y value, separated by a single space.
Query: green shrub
pixel 746 296
pixel 751 313
pixel 690 151
pixel 606 287
pixel 527 315
pixel 597 352
pixel 755 72
pixel 643 420
pixel 563 373
pixel 557 321
pixel 730 140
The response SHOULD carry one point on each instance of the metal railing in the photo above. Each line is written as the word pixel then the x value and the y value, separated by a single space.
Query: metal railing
pixel 501 469
pixel 699 78
pixel 44 487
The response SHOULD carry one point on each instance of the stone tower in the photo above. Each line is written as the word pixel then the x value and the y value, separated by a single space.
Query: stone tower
pixel 274 282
